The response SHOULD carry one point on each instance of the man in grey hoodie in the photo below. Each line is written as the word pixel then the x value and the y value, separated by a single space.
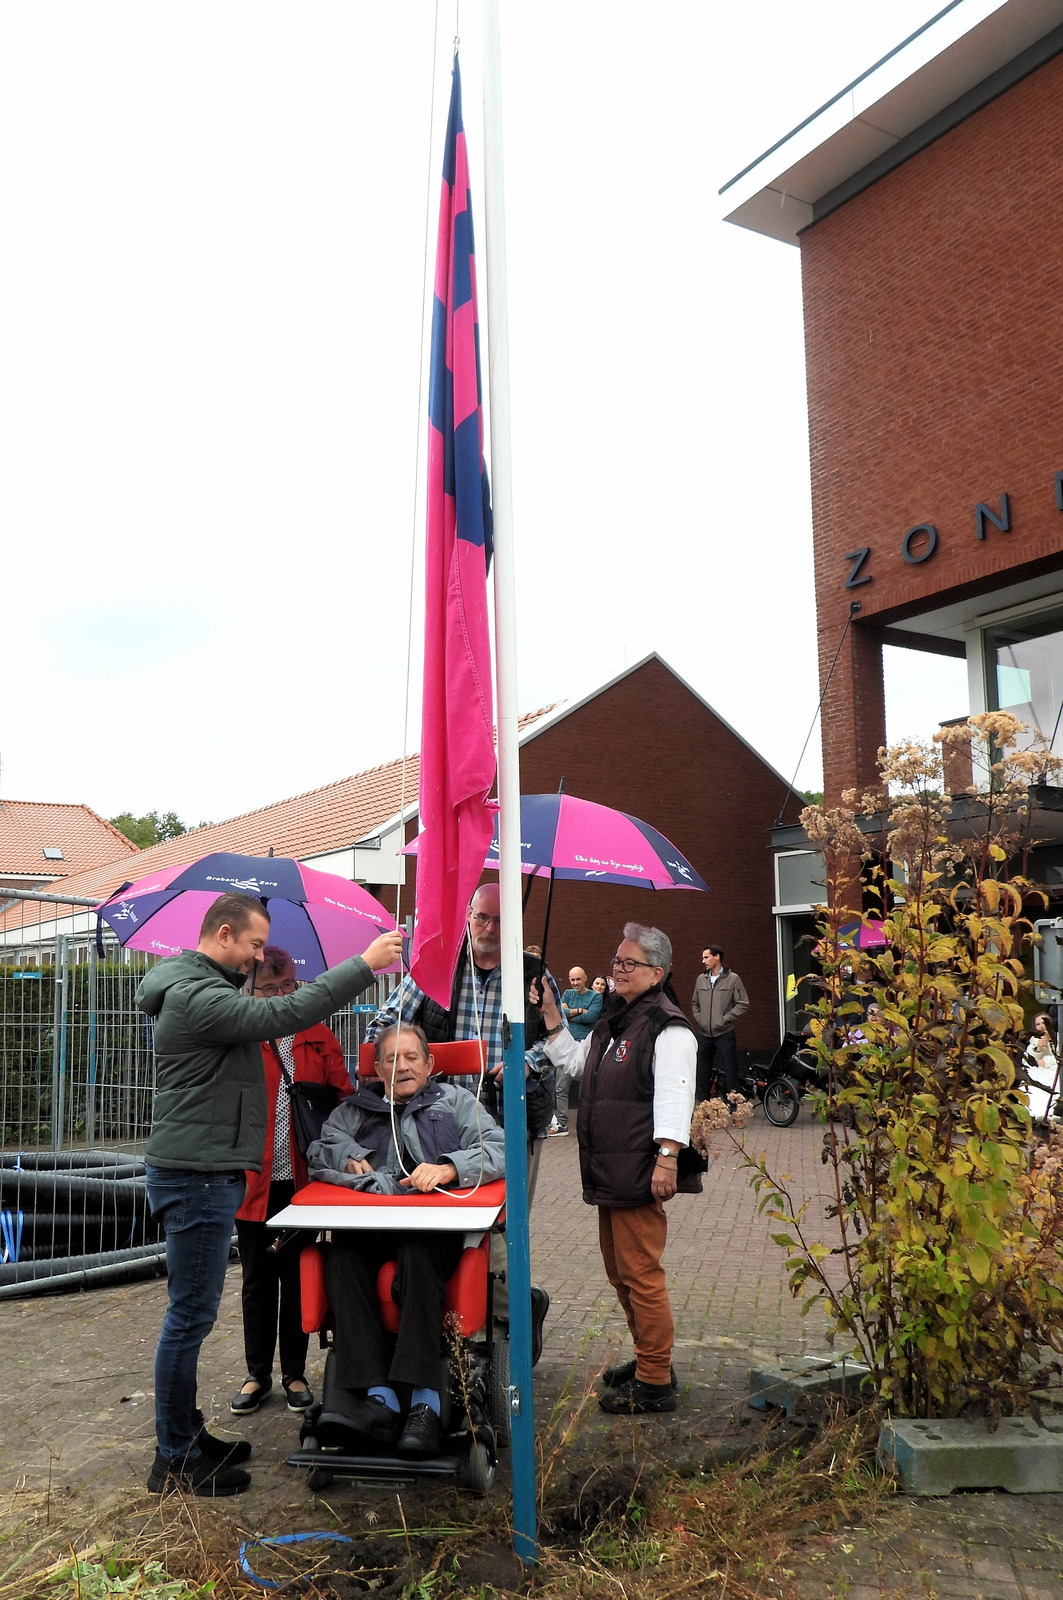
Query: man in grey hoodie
pixel 208 1126
pixel 409 1131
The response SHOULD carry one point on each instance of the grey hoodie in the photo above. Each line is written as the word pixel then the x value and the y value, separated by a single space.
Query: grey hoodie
pixel 209 1113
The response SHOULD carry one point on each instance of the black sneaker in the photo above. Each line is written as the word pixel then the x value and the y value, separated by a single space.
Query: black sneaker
pixel 203 1477
pixel 231 1451
pixel 540 1305
pixel 637 1399
pixel 419 1439
pixel 615 1377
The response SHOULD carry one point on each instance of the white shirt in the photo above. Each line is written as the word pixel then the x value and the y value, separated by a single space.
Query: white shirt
pixel 675 1059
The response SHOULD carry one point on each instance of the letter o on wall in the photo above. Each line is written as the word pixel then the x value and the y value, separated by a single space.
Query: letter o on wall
pixel 915 557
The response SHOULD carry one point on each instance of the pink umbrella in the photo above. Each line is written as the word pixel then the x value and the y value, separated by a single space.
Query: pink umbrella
pixel 562 836
pixel 319 918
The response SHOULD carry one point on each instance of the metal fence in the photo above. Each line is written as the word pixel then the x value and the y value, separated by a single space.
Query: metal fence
pixel 77 1082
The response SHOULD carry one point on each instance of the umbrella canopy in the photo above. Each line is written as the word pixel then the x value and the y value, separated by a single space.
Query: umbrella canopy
pixel 562 836
pixel 867 935
pixel 319 918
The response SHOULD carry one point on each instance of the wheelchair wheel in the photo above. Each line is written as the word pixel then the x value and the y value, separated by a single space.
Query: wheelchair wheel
pixel 318 1478
pixel 477 1472
pixel 498 1395
pixel 782 1102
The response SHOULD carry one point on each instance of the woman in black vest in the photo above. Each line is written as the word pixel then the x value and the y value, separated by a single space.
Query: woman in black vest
pixel 638 1069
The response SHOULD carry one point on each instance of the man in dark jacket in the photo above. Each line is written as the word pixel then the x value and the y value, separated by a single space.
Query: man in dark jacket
pixel 638 1070
pixel 719 1001
pixel 208 1126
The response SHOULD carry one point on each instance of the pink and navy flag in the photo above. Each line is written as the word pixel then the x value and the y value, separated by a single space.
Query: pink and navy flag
pixel 457 742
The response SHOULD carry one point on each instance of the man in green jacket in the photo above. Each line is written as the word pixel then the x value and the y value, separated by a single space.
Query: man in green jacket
pixel 208 1126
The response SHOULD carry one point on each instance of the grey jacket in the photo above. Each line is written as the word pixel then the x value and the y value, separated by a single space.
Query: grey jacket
pixel 209 1113
pixel 718 1006
pixel 442 1122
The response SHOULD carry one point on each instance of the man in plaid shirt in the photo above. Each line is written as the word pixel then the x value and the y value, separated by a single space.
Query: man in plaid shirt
pixel 475 1011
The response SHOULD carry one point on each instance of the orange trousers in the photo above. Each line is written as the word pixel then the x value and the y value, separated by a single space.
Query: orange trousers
pixel 632 1240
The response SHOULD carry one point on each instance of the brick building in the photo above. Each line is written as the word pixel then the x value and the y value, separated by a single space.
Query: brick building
pixel 922 198
pixel 923 201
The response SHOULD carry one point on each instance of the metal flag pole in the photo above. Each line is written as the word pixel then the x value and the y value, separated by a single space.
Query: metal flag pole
pixel 509 877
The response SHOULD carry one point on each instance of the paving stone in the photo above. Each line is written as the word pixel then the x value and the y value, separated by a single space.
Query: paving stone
pixel 78 1392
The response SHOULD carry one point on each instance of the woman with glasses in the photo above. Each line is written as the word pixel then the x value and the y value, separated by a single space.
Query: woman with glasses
pixel 637 1069
pixel 313 1056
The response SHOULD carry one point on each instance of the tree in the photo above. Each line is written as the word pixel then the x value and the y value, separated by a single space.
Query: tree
pixel 150 829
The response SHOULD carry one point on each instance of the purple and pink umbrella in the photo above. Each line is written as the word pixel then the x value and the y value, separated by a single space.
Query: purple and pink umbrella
pixel 562 836
pixel 319 918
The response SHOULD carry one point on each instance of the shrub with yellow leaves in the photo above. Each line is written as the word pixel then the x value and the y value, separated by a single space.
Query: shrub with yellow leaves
pixel 946 1270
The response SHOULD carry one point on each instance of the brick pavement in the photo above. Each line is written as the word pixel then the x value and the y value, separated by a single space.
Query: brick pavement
pixel 78 1371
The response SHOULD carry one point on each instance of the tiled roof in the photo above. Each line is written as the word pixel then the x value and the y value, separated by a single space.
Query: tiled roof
pixel 331 818
pixel 29 827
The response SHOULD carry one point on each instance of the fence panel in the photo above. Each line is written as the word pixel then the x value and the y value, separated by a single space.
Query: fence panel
pixel 77 1079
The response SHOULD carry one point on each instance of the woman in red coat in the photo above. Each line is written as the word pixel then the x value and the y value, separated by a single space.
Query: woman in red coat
pixel 313 1056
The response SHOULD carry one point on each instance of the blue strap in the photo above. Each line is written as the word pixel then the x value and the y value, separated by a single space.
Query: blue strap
pixel 279 1539
pixel 11 1234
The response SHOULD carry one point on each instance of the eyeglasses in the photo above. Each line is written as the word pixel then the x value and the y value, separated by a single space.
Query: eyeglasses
pixel 271 990
pixel 625 964
pixel 483 921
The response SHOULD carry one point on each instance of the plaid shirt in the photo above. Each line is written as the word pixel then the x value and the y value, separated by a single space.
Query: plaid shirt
pixel 480 996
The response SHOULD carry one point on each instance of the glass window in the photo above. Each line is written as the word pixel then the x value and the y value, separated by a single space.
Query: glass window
pixel 1024 669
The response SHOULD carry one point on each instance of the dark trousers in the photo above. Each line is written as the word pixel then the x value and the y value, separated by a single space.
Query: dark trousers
pixel 265 1272
pixel 716 1058
pixel 196 1210
pixel 364 1357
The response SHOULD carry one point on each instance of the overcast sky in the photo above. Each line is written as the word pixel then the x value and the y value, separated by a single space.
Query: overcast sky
pixel 214 220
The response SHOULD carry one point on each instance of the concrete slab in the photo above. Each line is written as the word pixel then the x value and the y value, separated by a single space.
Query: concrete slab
pixel 795 1382
pixel 935 1458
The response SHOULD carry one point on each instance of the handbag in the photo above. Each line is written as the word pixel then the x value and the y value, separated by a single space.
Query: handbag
pixel 310 1104
pixel 688 1170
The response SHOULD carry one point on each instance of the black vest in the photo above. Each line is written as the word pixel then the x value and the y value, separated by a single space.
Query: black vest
pixel 617 1150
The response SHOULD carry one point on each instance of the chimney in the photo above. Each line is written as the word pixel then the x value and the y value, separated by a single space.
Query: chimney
pixel 957 767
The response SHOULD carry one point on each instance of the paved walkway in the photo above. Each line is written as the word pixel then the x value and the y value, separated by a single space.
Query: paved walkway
pixel 77 1408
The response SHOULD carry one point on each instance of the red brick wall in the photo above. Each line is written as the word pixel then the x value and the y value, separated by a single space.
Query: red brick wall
pixel 934 346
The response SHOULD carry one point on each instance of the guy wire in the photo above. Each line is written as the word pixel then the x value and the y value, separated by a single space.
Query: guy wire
pixel 854 607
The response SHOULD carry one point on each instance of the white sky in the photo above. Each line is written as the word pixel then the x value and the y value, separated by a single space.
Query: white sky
pixel 214 221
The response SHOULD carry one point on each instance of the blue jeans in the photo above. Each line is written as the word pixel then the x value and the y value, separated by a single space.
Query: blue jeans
pixel 197 1211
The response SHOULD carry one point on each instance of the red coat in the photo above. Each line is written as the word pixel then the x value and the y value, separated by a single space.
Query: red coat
pixel 318 1059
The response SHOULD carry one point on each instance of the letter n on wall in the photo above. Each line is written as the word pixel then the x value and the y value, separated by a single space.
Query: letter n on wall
pixel 983 515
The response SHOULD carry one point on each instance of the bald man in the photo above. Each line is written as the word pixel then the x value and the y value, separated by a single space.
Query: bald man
pixel 476 1007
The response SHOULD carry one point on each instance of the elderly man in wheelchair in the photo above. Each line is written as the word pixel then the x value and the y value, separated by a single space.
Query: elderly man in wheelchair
pixel 408 1132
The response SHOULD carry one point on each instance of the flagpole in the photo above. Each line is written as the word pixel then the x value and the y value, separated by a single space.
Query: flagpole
pixel 519 1268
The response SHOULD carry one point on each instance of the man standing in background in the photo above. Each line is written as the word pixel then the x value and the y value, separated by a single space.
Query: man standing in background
pixel 719 1001
pixel 581 1006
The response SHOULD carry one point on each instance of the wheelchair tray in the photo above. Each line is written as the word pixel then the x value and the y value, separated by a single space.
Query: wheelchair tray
pixel 329 1205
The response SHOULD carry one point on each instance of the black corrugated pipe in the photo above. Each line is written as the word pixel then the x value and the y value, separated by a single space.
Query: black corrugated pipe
pixel 79 1272
pixel 72 1161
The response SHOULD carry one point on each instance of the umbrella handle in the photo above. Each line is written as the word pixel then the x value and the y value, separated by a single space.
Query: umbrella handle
pixel 546 935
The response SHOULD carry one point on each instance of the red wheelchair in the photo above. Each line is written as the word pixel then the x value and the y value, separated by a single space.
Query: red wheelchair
pixel 474 1371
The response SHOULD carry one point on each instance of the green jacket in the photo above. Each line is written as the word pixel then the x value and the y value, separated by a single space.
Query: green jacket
pixel 209 1113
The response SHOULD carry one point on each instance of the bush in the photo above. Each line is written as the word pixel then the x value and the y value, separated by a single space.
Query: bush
pixel 947 1271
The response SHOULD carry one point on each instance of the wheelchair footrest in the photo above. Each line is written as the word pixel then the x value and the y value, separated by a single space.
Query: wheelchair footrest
pixel 377 1466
